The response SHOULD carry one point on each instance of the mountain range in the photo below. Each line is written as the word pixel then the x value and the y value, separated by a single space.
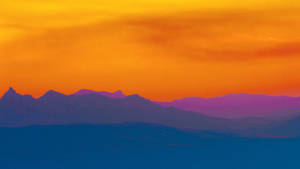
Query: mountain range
pixel 243 115
pixel 229 106
pixel 239 106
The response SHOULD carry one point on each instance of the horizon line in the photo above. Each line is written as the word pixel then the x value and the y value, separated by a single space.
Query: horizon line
pixel 171 100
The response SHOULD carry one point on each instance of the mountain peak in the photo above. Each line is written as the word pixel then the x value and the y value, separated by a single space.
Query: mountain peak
pixel 11 90
pixel 119 92
pixel 84 92
pixel 136 97
pixel 10 94
pixel 51 93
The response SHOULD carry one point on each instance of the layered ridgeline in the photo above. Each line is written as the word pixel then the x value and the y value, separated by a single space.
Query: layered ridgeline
pixel 89 107
pixel 239 106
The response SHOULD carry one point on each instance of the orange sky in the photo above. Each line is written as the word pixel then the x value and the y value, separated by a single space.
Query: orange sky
pixel 160 50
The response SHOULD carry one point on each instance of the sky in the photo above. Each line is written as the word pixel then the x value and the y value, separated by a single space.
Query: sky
pixel 162 50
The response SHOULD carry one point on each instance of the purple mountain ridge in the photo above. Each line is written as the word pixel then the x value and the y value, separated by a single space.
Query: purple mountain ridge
pixel 117 94
pixel 241 114
pixel 239 105
pixel 54 108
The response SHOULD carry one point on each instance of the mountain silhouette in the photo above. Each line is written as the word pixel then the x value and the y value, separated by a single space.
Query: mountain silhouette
pixel 11 96
pixel 240 106
pixel 117 94
pixel 54 108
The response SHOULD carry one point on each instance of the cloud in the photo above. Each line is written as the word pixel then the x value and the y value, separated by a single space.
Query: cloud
pixel 227 35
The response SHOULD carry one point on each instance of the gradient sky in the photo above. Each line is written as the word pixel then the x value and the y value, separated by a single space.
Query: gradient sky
pixel 162 50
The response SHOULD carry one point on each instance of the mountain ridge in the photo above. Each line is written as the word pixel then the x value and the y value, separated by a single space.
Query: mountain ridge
pixel 116 94
pixel 55 108
pixel 229 106
pixel 239 105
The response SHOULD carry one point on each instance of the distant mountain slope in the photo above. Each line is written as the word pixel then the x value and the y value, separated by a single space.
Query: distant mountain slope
pixel 117 94
pixel 240 106
pixel 288 128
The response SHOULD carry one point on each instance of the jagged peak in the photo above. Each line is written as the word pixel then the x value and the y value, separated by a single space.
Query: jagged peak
pixel 11 93
pixel 11 89
pixel 12 97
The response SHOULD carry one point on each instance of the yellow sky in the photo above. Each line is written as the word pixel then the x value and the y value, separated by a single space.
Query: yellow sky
pixel 160 49
pixel 24 17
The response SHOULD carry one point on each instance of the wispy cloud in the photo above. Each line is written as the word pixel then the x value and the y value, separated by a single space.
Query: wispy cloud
pixel 173 54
